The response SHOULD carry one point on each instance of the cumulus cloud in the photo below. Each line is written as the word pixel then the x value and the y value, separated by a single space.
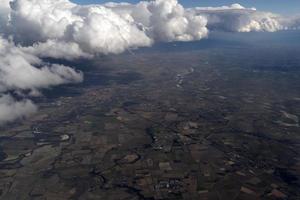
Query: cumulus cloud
pixel 163 20
pixel 237 18
pixel 109 28
pixel 31 30
pixel 95 29
pixel 170 22
pixel 21 72
pixel 55 49
pixel 62 29
pixel 12 109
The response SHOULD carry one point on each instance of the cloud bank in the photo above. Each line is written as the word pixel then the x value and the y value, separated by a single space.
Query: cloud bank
pixel 31 30
pixel 236 18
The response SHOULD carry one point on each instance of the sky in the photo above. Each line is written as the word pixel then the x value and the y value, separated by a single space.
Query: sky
pixel 286 7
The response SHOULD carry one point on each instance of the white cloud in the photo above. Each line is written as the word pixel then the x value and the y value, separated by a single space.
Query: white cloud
pixel 104 31
pixel 170 22
pixel 235 6
pixel 95 29
pixel 163 20
pixel 237 18
pixel 21 71
pixel 58 25
pixel 12 109
pixel 109 28
pixel 57 49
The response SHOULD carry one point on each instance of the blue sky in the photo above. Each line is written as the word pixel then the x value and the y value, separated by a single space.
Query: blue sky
pixel 278 6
